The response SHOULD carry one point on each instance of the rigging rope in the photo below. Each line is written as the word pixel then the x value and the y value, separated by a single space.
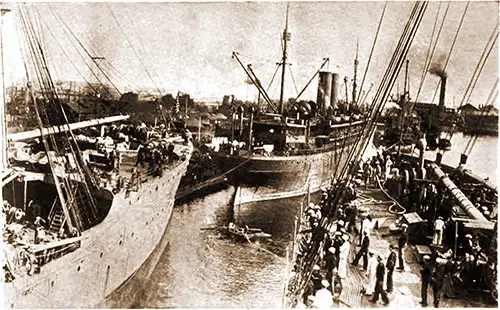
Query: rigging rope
pixel 492 95
pixel 373 48
pixel 135 52
pixel 84 48
pixel 428 64
pixel 386 85
pixel 477 72
pixel 67 56
pixel 451 48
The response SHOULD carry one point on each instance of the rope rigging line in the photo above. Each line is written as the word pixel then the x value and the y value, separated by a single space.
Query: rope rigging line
pixel 293 80
pixel 67 56
pixel 386 85
pixel 452 47
pixel 90 67
pixel 84 48
pixel 134 50
pixel 43 74
pixel 428 64
pixel 427 56
pixel 372 49
pixel 477 72
pixel 155 74
pixel 272 79
pixel 110 65
pixel 491 99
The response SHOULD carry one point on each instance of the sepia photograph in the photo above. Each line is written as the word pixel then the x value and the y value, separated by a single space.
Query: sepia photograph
pixel 249 154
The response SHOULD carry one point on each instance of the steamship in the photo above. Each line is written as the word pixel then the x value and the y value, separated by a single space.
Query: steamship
pixel 298 148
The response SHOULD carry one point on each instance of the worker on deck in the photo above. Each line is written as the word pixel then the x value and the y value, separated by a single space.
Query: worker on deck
pixel 379 284
pixel 316 278
pixel 330 263
pixel 371 273
pixel 402 241
pixel 390 265
pixel 343 256
pixel 426 273
pixel 438 231
pixel 363 251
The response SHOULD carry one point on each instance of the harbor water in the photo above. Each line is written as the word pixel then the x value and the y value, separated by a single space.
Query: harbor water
pixel 200 268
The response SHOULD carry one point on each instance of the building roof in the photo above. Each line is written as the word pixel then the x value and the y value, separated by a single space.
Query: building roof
pixel 467 107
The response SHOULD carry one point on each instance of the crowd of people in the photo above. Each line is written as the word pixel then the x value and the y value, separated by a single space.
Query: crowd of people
pixel 351 225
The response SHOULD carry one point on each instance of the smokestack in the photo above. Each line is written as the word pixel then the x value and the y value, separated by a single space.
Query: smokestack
pixel 442 94
pixel 324 91
pixel 335 90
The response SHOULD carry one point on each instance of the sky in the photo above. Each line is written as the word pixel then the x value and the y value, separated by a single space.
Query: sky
pixel 187 47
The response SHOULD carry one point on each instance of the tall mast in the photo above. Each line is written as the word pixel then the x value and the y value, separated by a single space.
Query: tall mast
pixel 3 123
pixel 286 38
pixel 355 84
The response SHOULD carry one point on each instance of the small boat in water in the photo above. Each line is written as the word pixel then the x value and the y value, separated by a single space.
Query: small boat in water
pixel 245 233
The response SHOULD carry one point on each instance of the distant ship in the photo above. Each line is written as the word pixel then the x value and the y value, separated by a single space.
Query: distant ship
pixel 293 150
pixel 482 121
pixel 81 213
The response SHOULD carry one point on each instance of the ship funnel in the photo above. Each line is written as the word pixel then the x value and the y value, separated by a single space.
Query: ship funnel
pixel 442 94
pixel 335 90
pixel 324 91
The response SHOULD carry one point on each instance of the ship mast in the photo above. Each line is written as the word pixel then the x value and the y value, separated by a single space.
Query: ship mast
pixel 286 38
pixel 355 84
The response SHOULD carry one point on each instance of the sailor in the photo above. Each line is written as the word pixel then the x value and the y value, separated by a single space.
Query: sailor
pixel 316 278
pixel 390 265
pixel 426 273
pixel 367 172
pixel 38 226
pixel 343 256
pixel 470 251
pixel 323 299
pixel 438 231
pixel 388 166
pixel 363 252
pixel 141 155
pixel 371 273
pixel 12 214
pixel 330 263
pixel 379 284
pixel 402 241
pixel 378 170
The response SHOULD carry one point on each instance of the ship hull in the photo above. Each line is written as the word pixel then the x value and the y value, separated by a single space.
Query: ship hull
pixel 265 182
pixel 128 242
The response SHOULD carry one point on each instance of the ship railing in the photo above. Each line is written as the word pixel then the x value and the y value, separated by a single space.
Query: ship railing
pixel 30 257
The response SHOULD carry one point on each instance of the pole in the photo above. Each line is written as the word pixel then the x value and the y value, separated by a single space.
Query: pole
pixel 199 129
pixel 285 40
pixel 456 236
pixel 3 123
pixel 250 130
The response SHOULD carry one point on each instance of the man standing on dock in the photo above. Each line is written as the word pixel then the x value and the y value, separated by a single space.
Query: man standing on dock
pixel 402 241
